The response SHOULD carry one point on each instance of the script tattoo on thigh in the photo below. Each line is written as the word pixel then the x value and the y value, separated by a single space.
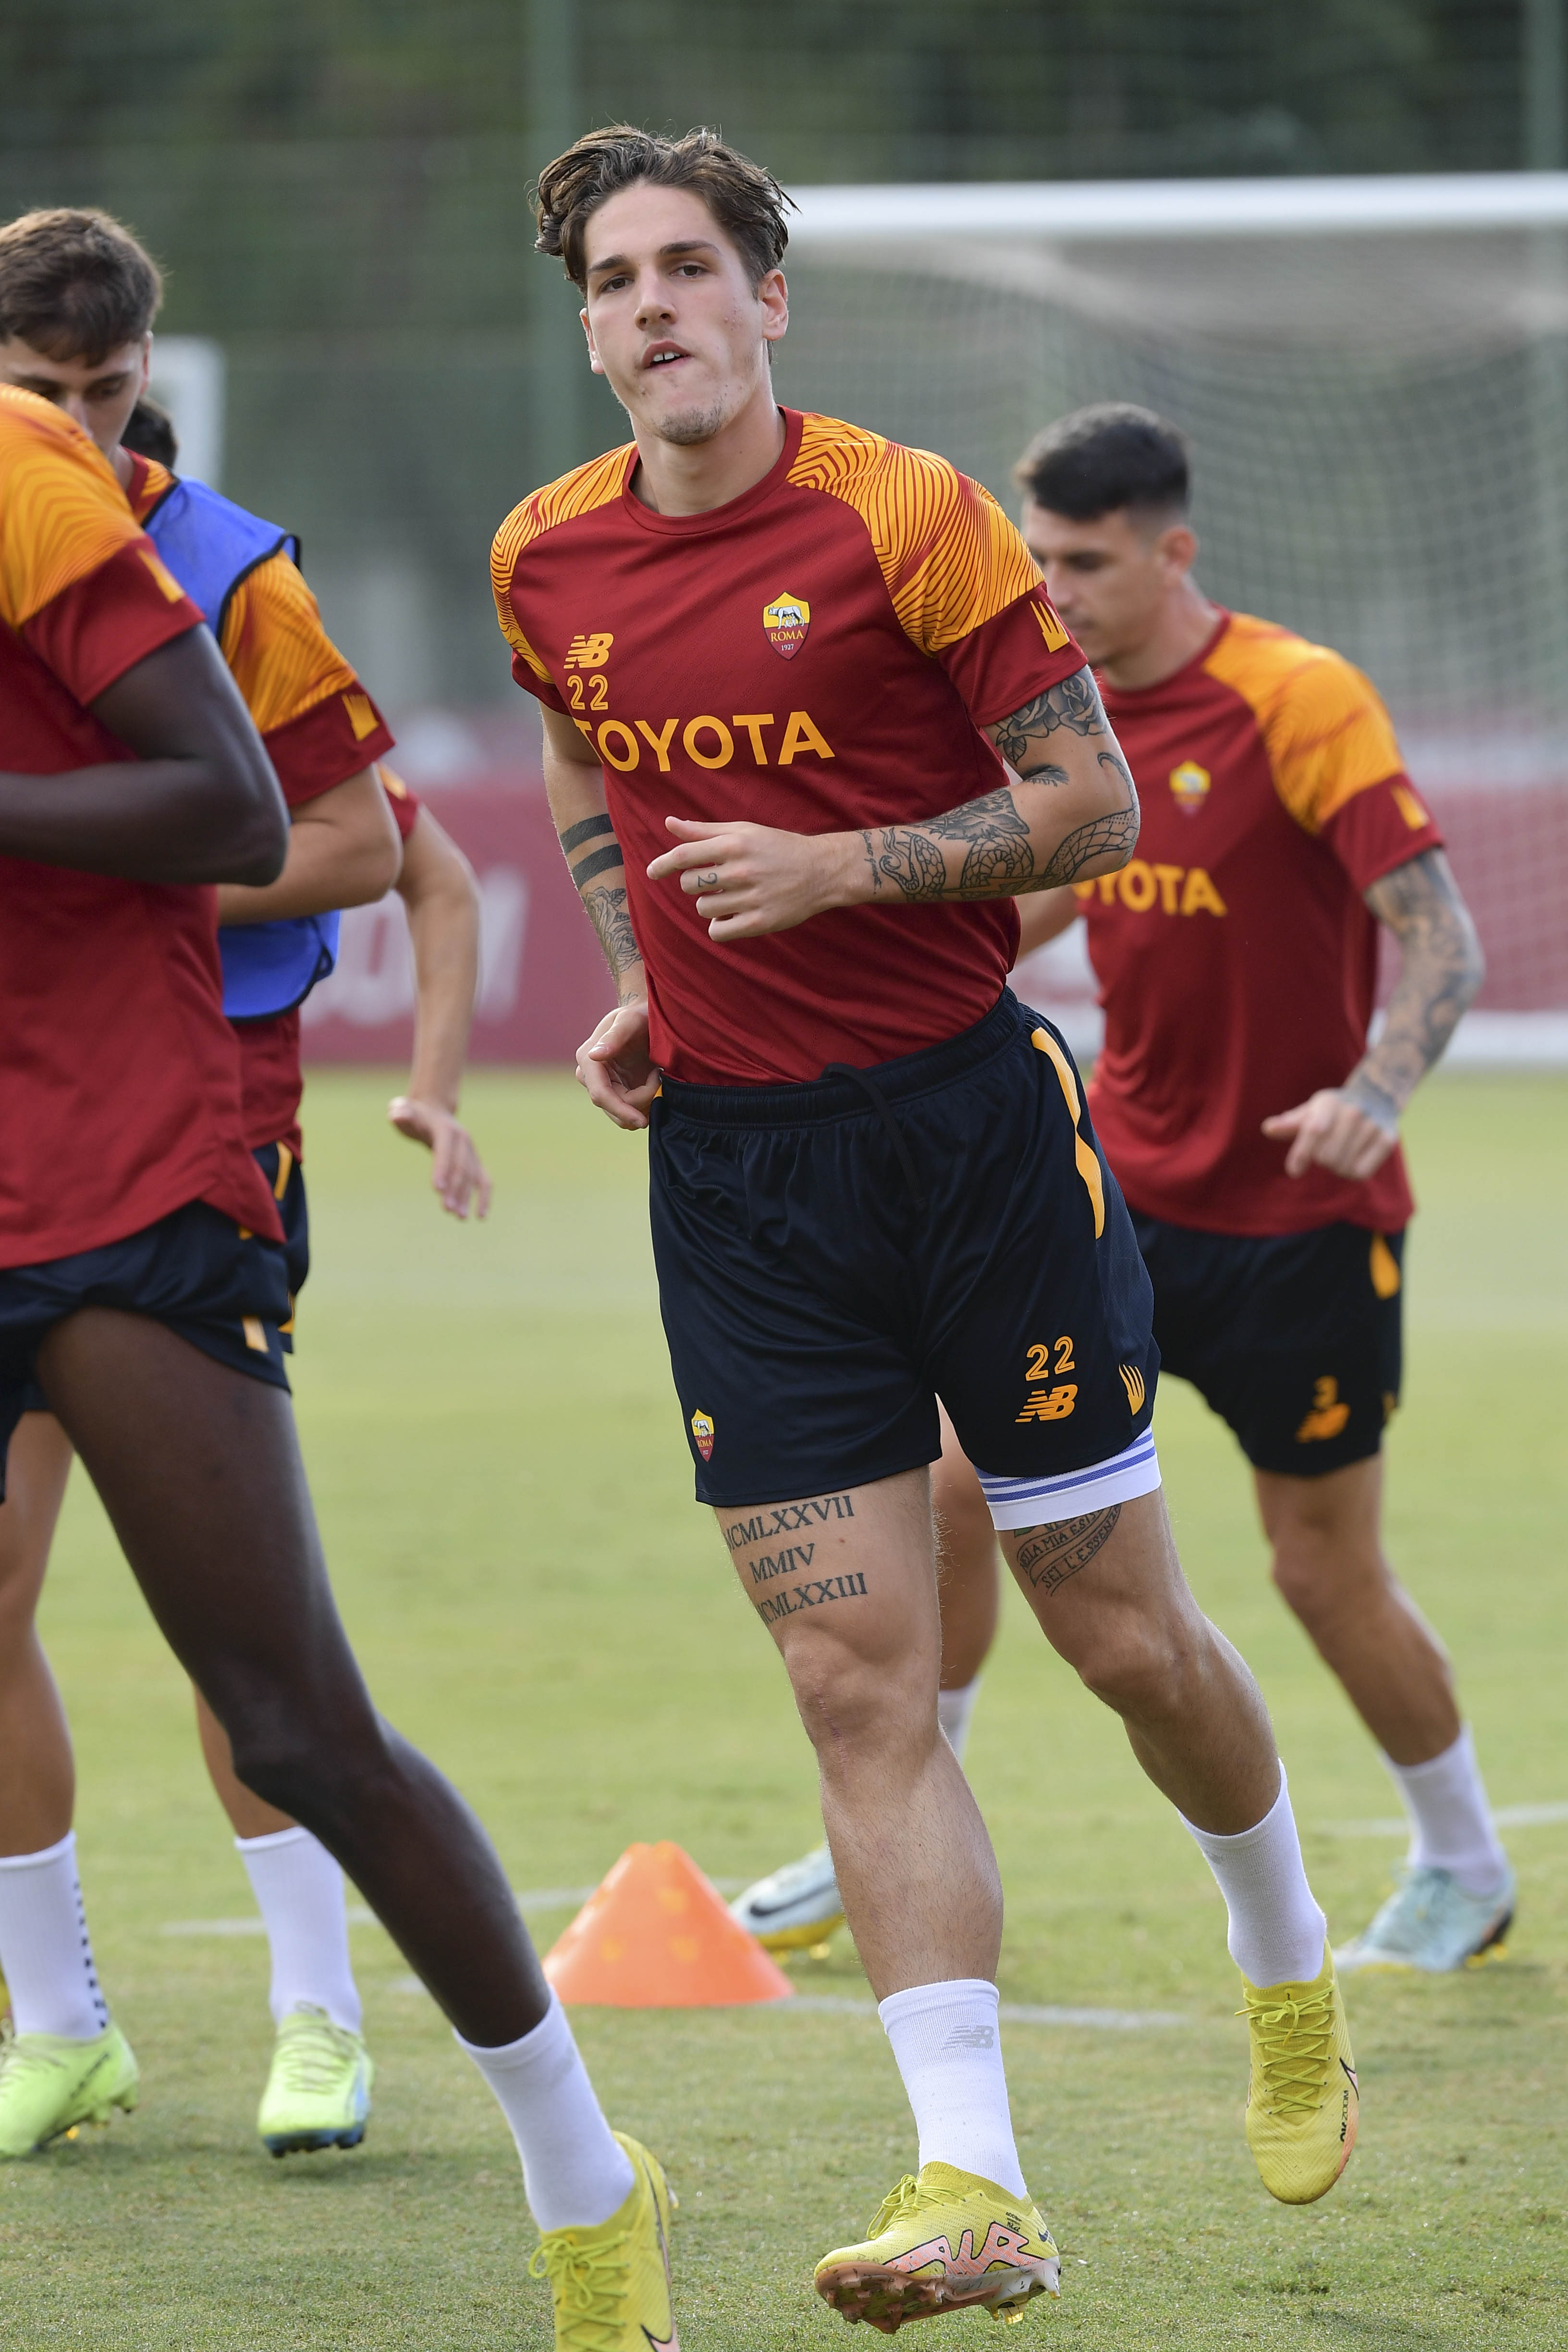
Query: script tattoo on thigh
pixel 746 1536
pixel 1048 1556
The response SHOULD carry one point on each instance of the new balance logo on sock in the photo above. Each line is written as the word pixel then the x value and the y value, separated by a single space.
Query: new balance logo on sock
pixel 972 2037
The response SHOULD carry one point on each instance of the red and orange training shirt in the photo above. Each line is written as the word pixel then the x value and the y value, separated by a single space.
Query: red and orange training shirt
pixel 320 726
pixel 819 655
pixel 1237 957
pixel 120 1076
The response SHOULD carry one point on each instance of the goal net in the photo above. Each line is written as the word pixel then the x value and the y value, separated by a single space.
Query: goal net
pixel 1374 376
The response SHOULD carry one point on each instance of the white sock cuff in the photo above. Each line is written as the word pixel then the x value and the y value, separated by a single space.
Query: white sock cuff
pixel 271 1839
pixel 1211 1841
pixel 44 1856
pixel 1461 1751
pixel 529 2048
pixel 921 2000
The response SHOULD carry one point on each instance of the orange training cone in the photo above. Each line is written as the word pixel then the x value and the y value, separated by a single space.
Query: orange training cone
pixel 656 1935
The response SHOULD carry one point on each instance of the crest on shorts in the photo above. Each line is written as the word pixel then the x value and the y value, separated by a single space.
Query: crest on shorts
pixel 702 1431
pixel 1190 784
pixel 785 624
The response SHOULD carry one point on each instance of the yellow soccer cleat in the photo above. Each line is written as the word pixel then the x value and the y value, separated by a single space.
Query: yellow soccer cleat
pixel 1303 2103
pixel 50 2083
pixel 611 2283
pixel 945 2241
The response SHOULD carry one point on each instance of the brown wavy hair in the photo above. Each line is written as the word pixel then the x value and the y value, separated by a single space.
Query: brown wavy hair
pixel 75 284
pixel 746 202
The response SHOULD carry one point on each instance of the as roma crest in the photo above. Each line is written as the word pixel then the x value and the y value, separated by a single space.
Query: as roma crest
pixel 702 1431
pixel 1190 783
pixel 784 622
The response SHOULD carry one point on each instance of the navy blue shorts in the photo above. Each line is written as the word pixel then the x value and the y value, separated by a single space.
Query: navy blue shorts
pixel 833 1257
pixel 1293 1339
pixel 286 1177
pixel 225 1291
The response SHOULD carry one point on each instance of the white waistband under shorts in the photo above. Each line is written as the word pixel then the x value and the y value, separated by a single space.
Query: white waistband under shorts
pixel 1035 1502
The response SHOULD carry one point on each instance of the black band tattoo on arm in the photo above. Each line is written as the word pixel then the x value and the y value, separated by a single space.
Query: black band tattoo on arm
pixel 1049 1556
pixel 606 908
pixel 588 830
pixel 1442 966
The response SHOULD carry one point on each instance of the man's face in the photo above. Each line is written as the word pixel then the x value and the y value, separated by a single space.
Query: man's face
pixel 100 396
pixel 671 316
pixel 1109 578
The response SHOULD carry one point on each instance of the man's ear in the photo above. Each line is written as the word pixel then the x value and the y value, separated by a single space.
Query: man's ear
pixel 774 296
pixel 1177 549
pixel 595 361
pixel 146 362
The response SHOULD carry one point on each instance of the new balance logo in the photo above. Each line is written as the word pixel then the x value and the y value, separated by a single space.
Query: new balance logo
pixel 589 652
pixel 1132 1382
pixel 1054 1405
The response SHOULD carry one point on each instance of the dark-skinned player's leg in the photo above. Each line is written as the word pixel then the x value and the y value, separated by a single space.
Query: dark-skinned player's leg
pixel 199 1470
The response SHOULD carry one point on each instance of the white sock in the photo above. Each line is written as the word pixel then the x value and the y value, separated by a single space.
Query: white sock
pixel 1450 1820
pixel 948 2046
pixel 299 1890
pixel 955 1712
pixel 575 2171
pixel 1276 1930
pixel 46 1954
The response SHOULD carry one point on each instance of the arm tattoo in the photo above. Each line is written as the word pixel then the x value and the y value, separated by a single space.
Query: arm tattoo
pixel 1048 1556
pixel 1117 831
pixel 607 913
pixel 1073 704
pixel 1443 967
pixel 999 857
pixel 607 908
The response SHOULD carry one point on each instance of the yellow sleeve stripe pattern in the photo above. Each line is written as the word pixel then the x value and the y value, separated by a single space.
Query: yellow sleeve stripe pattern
pixel 1326 732
pixel 951 558
pixel 62 513
pixel 577 493
pixel 283 661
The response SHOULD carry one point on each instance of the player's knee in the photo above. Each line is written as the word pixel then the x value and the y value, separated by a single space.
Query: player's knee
pixel 1320 1577
pixel 295 1759
pixel 851 1703
pixel 1141 1666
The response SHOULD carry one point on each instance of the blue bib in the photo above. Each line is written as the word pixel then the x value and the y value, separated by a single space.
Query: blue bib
pixel 211 545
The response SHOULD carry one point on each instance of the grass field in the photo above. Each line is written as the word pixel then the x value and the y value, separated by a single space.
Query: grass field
pixel 507 1505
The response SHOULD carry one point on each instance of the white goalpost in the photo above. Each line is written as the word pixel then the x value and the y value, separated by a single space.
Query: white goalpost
pixel 1374 375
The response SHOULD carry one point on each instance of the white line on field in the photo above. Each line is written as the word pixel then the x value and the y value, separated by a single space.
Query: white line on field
pixel 1507 1817
pixel 527 1899
pixel 829 2004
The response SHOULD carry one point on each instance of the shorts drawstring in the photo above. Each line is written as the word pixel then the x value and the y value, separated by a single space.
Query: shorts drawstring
pixel 879 1102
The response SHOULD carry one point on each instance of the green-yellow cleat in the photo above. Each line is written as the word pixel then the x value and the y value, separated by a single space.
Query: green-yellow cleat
pixel 318 2092
pixel 946 2242
pixel 1303 2101
pixel 610 2285
pixel 49 2084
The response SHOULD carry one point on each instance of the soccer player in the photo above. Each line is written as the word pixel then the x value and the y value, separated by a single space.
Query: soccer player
pixel 322 734
pixel 144 1283
pixel 781 663
pixel 1253 1130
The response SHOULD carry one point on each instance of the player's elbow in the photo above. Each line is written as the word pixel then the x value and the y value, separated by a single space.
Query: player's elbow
pixel 247 824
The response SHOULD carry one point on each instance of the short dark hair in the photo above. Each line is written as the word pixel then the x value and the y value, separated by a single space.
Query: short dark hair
pixel 150 433
pixel 747 202
pixel 75 285
pixel 1100 459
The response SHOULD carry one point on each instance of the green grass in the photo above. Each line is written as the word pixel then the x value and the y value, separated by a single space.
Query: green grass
pixel 498 1464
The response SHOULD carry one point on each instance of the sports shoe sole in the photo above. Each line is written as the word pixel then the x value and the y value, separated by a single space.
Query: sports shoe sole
pixel 307 2143
pixel 125 2101
pixel 886 2298
pixel 797 1939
